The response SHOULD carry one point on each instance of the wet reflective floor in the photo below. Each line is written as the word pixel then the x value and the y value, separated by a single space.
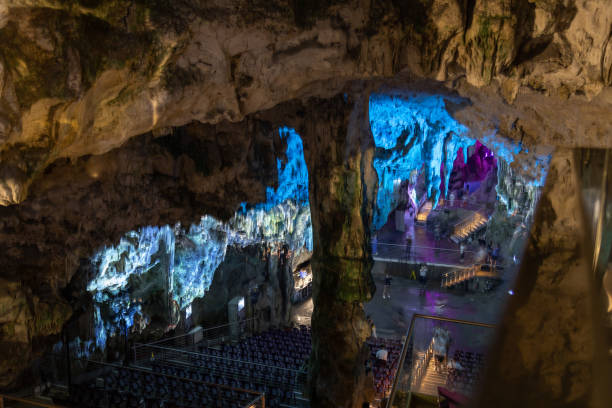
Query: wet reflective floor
pixel 392 316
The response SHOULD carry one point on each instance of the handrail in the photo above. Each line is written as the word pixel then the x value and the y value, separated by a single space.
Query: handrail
pixel 409 337
pixel 257 399
pixel 203 331
pixel 423 247
pixel 257 393
pixel 26 401
pixel 196 354
pixel 467 217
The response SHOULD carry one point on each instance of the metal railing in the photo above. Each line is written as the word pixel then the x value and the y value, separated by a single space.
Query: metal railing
pixel 476 270
pixel 465 204
pixel 234 368
pixel 24 401
pixel 97 368
pixel 422 254
pixel 210 335
pixel 469 224
pixel 406 383
pixel 455 277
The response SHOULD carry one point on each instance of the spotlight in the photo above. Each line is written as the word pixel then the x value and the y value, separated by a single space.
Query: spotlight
pixel 511 292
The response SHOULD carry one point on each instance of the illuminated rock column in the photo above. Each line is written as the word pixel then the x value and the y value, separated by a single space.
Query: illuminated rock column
pixel 339 149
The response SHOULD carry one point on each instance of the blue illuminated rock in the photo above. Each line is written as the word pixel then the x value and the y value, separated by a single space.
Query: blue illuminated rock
pixel 188 257
pixel 413 132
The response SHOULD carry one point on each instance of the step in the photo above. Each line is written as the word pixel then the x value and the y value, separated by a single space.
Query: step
pixel 432 380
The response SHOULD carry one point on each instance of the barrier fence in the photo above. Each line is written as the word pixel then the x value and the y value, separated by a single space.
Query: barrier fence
pixel 240 370
pixel 423 254
pixel 418 340
pixel 98 373
pixel 209 336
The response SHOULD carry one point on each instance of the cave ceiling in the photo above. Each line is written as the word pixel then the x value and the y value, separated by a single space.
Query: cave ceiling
pixel 83 77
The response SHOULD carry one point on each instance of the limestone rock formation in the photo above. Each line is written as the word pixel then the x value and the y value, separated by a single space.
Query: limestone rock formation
pixel 545 353
pixel 91 90
pixel 82 77
pixel 339 148
pixel 78 208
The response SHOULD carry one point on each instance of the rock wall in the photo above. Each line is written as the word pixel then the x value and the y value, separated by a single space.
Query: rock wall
pixel 78 207
pixel 86 77
pixel 546 348
pixel 238 273
pixel 81 77
pixel 339 150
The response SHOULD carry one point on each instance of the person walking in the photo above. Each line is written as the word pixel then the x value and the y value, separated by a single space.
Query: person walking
pixel 423 277
pixel 387 288
pixel 461 251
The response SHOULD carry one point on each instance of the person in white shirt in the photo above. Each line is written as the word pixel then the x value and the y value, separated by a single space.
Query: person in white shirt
pixel 382 355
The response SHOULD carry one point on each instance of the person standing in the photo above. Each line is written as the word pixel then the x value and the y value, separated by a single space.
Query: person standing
pixel 409 234
pixel 495 255
pixel 440 346
pixel 437 236
pixel 375 244
pixel 408 246
pixel 387 288
pixel 461 251
pixel 372 326
pixel 423 275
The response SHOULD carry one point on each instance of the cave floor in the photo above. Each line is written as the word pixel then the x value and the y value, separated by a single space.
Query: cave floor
pixel 392 316
pixel 391 247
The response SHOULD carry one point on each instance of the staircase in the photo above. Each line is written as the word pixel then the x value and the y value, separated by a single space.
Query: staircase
pixel 424 212
pixel 487 278
pixel 463 229
pixel 431 379
pixel 456 277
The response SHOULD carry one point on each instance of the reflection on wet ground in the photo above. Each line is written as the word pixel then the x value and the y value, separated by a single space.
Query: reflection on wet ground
pixel 392 316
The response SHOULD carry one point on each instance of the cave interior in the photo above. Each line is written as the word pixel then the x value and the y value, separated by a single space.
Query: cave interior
pixel 305 203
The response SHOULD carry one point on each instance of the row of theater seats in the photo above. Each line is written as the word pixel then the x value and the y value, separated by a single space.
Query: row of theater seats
pixel 384 372
pixel 126 388
pixel 466 378
pixel 216 368
pixel 276 393
pixel 280 348
pixel 269 362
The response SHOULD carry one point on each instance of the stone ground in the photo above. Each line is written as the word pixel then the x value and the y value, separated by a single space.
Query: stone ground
pixel 392 316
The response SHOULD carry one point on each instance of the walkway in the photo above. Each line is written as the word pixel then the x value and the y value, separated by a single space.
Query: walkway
pixel 392 316
pixel 391 247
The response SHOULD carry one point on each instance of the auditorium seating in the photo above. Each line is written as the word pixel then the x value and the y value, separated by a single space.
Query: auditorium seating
pixel 280 348
pixel 269 362
pixel 384 373
pixel 464 380
pixel 128 388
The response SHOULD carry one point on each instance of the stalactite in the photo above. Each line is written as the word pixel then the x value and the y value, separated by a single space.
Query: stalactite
pixel 191 255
